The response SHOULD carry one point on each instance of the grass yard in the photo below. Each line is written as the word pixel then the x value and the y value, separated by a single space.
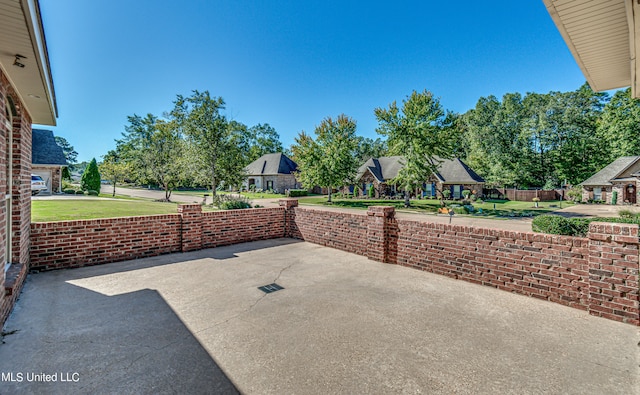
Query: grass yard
pixel 63 210
pixel 502 208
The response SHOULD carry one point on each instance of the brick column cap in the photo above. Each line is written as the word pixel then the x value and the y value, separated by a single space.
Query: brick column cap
pixel 381 211
pixel 288 203
pixel 193 207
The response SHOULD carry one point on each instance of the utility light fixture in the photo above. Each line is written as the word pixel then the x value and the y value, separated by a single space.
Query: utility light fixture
pixel 17 62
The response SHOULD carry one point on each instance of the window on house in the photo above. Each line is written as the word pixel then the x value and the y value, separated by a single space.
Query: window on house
pixel 457 191
pixel 597 193
pixel 269 185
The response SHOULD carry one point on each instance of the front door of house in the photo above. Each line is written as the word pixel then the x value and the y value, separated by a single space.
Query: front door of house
pixel 630 194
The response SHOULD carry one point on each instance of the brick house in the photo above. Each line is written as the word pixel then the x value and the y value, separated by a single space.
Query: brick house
pixel 274 172
pixel 26 96
pixel 47 159
pixel 453 175
pixel 619 178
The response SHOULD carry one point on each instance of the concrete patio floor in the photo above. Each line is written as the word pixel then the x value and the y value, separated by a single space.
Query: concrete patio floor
pixel 197 323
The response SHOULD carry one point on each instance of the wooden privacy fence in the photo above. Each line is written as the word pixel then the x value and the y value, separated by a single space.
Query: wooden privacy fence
pixel 524 195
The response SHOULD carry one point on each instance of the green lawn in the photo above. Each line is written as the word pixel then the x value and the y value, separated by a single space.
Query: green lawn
pixel 502 208
pixel 62 210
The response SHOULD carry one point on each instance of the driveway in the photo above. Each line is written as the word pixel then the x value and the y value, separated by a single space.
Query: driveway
pixel 197 323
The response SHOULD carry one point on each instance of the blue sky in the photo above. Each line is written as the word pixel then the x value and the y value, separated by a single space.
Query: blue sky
pixel 291 63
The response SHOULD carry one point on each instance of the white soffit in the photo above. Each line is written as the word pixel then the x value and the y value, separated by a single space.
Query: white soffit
pixel 21 33
pixel 598 34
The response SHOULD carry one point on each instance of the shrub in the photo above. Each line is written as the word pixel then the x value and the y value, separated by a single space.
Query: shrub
pixel 466 193
pixel 575 194
pixel 79 192
pixel 473 197
pixel 234 205
pixel 552 224
pixel 69 191
pixel 626 214
pixel 469 209
pixel 371 192
pixel 93 193
pixel 297 192
pixel 446 193
pixel 91 177
pixel 231 202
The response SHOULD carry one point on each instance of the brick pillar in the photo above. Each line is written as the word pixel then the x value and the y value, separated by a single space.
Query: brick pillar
pixel 614 261
pixel 191 229
pixel 290 228
pixel 379 221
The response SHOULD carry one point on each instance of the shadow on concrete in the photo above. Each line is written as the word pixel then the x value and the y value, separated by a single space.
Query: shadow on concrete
pixel 223 252
pixel 87 342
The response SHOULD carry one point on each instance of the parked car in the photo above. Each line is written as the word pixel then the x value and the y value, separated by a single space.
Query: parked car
pixel 37 184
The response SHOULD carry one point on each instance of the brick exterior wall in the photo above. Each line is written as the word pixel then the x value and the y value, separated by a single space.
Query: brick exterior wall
pixel 15 139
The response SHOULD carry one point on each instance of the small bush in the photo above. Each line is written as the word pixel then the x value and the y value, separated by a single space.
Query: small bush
pixel 234 205
pixel 231 202
pixel 79 192
pixel 93 193
pixel 69 191
pixel 446 193
pixel 626 214
pixel 552 224
pixel 371 192
pixel 297 192
pixel 466 193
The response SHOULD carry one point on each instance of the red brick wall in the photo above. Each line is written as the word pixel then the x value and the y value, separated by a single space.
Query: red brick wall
pixel 18 130
pixel 57 245
pixel 239 226
pixel 613 271
pixel 543 266
pixel 347 232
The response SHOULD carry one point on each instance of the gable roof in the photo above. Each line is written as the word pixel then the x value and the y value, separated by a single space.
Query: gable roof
pixel 612 171
pixel 271 164
pixel 45 150
pixel 451 171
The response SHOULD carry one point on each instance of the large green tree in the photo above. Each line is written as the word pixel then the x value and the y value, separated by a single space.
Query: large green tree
pixel 70 154
pixel 619 126
pixel 369 148
pixel 212 139
pixel 262 139
pixel 134 145
pixel 330 160
pixel 113 168
pixel 164 157
pixel 422 133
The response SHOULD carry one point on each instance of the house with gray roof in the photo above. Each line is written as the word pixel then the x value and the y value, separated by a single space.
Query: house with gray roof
pixel 47 159
pixel 616 183
pixel 274 172
pixel 453 175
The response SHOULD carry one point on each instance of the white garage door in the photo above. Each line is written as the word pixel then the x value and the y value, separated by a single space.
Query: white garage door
pixel 46 176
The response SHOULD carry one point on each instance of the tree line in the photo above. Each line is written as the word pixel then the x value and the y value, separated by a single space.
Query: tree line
pixel 531 140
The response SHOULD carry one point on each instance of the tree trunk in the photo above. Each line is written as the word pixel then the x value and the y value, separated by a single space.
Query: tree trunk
pixel 213 180
pixel 114 187
pixel 329 201
pixel 167 193
pixel 407 202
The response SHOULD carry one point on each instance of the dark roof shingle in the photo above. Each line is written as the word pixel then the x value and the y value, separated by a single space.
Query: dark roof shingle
pixel 271 164
pixel 451 171
pixel 44 150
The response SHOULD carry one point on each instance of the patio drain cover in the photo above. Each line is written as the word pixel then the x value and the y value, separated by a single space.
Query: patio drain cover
pixel 270 288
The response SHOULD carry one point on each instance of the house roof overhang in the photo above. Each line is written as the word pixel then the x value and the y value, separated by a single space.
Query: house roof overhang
pixel 22 33
pixel 604 37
